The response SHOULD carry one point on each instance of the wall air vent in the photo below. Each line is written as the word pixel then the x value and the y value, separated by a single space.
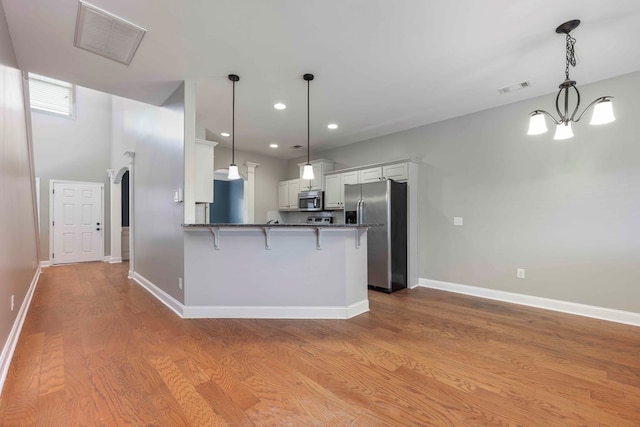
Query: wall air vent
pixel 297 146
pixel 514 87
pixel 106 35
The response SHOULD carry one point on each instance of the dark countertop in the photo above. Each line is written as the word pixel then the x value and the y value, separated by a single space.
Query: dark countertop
pixel 224 225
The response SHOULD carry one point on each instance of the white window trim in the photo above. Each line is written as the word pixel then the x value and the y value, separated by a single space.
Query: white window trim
pixel 56 85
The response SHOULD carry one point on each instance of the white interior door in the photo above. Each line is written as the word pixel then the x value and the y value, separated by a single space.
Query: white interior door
pixel 77 222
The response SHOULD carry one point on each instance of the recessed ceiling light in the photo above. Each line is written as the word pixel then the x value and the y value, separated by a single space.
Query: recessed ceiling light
pixel 279 106
pixel 332 126
pixel 225 134
pixel 273 145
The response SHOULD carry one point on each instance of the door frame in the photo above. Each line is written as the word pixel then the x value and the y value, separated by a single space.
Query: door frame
pixel 51 212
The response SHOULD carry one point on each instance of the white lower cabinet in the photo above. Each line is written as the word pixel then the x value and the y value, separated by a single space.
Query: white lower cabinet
pixel 288 194
pixel 334 189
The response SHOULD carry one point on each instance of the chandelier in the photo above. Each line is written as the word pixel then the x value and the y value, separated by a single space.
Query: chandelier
pixel 602 107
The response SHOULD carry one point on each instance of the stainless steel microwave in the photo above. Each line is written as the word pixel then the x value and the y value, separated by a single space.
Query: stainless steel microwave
pixel 309 201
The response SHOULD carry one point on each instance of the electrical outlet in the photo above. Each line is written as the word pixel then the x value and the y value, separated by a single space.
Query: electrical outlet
pixel 520 273
pixel 457 220
pixel 12 301
pixel 179 282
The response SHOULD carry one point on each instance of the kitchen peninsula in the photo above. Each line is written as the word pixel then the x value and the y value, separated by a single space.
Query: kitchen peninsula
pixel 275 270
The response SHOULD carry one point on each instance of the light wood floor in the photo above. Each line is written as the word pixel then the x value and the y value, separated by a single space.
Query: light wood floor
pixel 98 350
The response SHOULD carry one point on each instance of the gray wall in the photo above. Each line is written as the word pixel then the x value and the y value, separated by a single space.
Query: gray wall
pixel 566 211
pixel 7 56
pixel 158 135
pixel 268 174
pixel 18 247
pixel 77 149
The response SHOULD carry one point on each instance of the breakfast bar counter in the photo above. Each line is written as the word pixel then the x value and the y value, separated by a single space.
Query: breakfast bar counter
pixel 314 271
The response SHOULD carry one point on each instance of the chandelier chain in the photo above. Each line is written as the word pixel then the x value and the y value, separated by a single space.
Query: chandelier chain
pixel 571 56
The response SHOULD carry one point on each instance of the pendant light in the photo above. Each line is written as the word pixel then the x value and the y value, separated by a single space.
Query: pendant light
pixel 307 172
pixel 233 168
pixel 602 108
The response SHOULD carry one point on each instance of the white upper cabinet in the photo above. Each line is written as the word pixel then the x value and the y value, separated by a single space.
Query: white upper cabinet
pixel 294 189
pixel 334 189
pixel 288 194
pixel 370 175
pixel 333 184
pixel 332 192
pixel 397 172
pixel 204 154
pixel 320 167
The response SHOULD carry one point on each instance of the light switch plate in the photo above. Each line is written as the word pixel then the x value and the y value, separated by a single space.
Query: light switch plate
pixel 457 220
pixel 177 195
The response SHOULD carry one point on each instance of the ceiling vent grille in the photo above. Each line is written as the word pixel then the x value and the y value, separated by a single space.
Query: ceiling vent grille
pixel 297 146
pixel 511 88
pixel 106 35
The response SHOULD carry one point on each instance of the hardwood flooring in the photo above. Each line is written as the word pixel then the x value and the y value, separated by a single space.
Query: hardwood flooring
pixel 98 350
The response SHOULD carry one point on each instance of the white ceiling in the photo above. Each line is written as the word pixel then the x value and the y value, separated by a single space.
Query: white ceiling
pixel 381 66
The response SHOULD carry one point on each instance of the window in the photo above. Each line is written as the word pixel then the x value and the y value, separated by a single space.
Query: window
pixel 52 96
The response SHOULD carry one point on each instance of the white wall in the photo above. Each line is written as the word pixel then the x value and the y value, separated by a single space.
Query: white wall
pixel 268 174
pixel 18 247
pixel 566 211
pixel 122 134
pixel 77 149
pixel 158 137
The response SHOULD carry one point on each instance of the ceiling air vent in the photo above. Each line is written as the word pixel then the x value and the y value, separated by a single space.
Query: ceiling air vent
pixel 514 87
pixel 106 35
pixel 297 146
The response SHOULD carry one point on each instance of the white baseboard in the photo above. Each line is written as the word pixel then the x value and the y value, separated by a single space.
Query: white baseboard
pixel 12 340
pixel 174 305
pixel 358 308
pixel 602 313
pixel 46 263
pixel 115 260
pixel 250 312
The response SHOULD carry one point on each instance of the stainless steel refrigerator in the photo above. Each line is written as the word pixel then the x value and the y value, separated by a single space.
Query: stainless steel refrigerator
pixel 383 202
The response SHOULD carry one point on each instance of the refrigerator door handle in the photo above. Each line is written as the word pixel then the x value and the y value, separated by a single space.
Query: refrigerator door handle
pixel 360 213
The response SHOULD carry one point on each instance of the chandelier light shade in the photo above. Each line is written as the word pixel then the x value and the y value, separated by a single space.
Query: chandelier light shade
pixel 233 168
pixel 307 172
pixel 602 113
pixel 602 107
pixel 563 131
pixel 537 124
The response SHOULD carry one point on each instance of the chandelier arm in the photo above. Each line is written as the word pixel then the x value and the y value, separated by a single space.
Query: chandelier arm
pixel 548 114
pixel 562 116
pixel 577 104
pixel 602 98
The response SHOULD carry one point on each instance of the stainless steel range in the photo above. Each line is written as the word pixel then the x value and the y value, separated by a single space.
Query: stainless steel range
pixel 319 220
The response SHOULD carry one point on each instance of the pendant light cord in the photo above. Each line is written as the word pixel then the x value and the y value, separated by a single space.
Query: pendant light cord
pixel 233 125
pixel 308 119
